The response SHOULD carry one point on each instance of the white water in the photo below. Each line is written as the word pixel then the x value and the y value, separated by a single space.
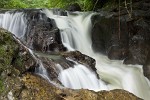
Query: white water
pixel 80 77
pixel 14 22
pixel 75 31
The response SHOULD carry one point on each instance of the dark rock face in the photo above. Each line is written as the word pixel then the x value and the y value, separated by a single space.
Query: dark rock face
pixel 139 43
pixel 59 12
pixel 74 7
pixel 146 67
pixel 132 43
pixel 107 39
pixel 42 33
pixel 80 58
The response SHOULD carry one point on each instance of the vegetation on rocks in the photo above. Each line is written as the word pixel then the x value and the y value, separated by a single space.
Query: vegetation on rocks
pixel 11 67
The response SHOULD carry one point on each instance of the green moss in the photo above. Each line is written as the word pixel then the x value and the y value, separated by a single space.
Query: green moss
pixel 1 86
pixel 8 48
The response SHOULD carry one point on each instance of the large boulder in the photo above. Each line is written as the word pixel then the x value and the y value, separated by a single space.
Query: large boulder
pixel 14 54
pixel 125 35
pixel 38 88
pixel 42 33
pixel 106 37
pixel 80 58
pixel 139 43
pixel 15 60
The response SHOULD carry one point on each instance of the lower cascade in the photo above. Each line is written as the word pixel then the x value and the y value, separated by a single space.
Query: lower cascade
pixel 80 77
pixel 75 35
pixel 75 32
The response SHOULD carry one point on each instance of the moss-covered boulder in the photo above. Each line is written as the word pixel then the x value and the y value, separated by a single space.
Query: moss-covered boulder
pixel 15 60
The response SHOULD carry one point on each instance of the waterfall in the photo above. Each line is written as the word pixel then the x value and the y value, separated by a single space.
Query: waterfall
pixel 14 22
pixel 17 23
pixel 80 77
pixel 75 29
pixel 75 33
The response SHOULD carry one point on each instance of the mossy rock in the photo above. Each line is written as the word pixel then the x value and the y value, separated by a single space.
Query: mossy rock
pixel 15 59
pixel 8 49
pixel 39 89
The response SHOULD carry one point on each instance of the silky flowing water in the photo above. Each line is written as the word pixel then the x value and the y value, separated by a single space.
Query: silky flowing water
pixel 75 34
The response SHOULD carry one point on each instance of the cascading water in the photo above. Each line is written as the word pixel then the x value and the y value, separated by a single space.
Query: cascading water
pixel 75 31
pixel 14 22
pixel 80 77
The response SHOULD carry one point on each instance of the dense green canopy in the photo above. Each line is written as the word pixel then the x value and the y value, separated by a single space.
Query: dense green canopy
pixel 85 4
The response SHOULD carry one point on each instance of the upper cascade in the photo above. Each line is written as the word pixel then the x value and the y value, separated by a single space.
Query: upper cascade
pixel 14 22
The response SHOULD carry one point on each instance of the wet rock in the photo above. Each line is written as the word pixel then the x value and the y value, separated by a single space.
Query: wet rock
pixel 51 68
pixel 146 67
pixel 106 37
pixel 54 64
pixel 60 12
pixel 74 7
pixel 80 58
pixel 139 43
pixel 42 33
pixel 138 52
pixel 132 43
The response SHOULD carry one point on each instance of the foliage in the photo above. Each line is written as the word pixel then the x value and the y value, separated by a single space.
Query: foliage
pixel 9 4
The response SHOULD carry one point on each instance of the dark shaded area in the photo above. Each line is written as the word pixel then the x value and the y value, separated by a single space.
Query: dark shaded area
pixel 132 43
pixel 74 7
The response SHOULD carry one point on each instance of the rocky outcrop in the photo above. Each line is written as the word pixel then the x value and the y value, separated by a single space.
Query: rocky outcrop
pixel 106 38
pixel 40 89
pixel 80 58
pixel 42 33
pixel 121 36
pixel 13 53
pixel 15 60
pixel 139 43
